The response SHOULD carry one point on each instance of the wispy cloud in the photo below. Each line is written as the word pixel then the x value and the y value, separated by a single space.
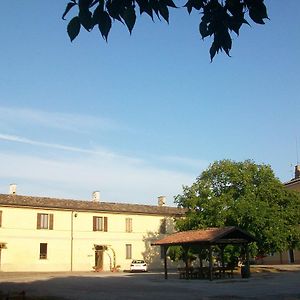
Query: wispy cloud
pixel 18 139
pixel 12 116
pixel 117 178
pixel 57 173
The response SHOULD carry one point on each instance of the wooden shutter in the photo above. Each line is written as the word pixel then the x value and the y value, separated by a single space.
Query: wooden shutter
pixel 0 218
pixel 38 222
pixel 105 223
pixel 51 221
pixel 94 223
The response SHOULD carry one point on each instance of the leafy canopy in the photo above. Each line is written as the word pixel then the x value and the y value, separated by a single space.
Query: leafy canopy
pixel 246 195
pixel 219 17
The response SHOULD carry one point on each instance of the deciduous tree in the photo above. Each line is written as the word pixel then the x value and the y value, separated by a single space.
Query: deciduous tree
pixel 219 18
pixel 246 195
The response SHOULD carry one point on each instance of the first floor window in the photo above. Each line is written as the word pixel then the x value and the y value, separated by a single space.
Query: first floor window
pixel 128 224
pixel 99 223
pixel 44 221
pixel 128 251
pixel 43 250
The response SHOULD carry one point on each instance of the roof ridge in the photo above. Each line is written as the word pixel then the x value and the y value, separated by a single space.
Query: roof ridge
pixel 85 205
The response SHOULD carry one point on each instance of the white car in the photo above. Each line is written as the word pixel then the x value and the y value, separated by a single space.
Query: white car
pixel 138 265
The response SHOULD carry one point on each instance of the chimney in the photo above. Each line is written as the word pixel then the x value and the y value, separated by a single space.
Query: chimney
pixel 161 200
pixel 297 171
pixel 96 196
pixel 13 189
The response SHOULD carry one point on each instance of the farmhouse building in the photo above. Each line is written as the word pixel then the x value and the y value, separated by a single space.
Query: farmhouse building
pixel 47 234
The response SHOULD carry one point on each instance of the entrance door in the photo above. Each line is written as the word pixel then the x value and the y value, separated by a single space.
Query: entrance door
pixel 99 258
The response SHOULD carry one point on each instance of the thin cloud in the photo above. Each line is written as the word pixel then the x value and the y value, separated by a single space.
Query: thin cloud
pixel 117 179
pixel 63 121
pixel 18 139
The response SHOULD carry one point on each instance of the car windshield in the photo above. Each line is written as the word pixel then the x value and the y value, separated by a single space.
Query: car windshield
pixel 138 262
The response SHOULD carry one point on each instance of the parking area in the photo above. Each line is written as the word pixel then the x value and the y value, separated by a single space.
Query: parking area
pixel 267 285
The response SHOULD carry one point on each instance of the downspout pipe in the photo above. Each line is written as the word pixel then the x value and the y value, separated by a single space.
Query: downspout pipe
pixel 72 237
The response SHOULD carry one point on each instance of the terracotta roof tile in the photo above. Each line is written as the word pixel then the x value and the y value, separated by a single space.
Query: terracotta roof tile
pixel 68 204
pixel 209 235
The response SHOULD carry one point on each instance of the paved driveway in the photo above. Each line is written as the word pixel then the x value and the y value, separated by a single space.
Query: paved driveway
pixel 283 285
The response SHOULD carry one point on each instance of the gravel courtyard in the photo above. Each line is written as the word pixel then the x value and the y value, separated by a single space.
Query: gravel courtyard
pixel 88 286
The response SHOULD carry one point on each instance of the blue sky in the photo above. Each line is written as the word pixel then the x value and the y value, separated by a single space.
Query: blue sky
pixel 141 115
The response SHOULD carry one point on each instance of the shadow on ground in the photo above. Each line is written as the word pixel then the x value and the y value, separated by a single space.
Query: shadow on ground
pixel 88 286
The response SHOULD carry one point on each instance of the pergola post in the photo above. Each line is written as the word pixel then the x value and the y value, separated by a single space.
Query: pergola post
pixel 210 263
pixel 165 249
pixel 222 248
pixel 247 258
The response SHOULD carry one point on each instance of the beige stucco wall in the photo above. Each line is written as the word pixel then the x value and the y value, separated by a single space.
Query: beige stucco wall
pixel 71 242
pixel 283 258
pixel 293 186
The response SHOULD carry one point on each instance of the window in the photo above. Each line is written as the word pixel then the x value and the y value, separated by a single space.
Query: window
pixel 128 224
pixel 163 225
pixel 99 223
pixel 0 218
pixel 43 251
pixel 45 221
pixel 128 251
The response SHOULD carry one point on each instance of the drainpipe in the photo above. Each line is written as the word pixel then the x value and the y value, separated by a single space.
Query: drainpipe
pixel 71 267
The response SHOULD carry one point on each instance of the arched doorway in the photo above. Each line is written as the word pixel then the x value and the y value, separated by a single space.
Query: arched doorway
pixel 99 250
pixel 99 257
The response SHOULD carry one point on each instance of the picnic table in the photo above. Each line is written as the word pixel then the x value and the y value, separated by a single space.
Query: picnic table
pixel 203 273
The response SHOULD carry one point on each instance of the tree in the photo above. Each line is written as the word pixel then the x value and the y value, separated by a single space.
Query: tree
pixel 219 17
pixel 246 195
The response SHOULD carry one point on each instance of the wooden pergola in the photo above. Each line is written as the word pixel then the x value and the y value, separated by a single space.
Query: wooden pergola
pixel 206 239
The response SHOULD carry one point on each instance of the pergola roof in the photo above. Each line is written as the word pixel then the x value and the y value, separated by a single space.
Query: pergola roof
pixel 209 236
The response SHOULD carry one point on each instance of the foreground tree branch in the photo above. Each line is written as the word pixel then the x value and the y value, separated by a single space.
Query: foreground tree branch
pixel 219 17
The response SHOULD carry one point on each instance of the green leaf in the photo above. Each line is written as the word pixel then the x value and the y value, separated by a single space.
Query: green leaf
pixel 129 17
pixel 155 6
pixel 170 3
pixel 255 15
pixel 114 8
pixel 73 28
pixel 189 6
pixel 145 7
pixel 257 11
pixel 85 17
pixel 68 8
pixel 85 4
pixel 212 51
pixel 164 11
pixel 104 24
pixel 203 29
pixel 226 42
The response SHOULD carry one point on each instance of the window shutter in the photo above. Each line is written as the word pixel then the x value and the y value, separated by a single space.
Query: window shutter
pixel 0 218
pixel 94 223
pixel 38 224
pixel 105 223
pixel 51 222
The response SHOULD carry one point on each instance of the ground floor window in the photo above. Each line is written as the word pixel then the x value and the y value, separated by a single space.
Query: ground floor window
pixel 128 251
pixel 43 251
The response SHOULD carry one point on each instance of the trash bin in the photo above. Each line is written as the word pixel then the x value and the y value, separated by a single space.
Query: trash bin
pixel 245 271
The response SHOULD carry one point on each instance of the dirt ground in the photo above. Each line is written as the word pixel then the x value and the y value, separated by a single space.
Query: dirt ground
pixel 266 282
